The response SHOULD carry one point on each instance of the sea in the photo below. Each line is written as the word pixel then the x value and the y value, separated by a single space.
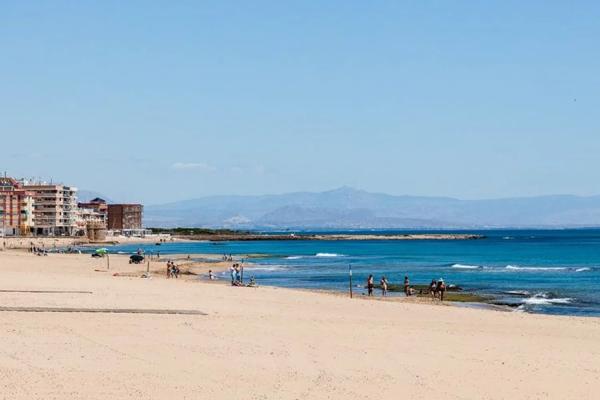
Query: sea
pixel 537 271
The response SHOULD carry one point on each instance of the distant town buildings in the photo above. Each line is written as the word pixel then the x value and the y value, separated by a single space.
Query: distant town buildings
pixel 46 209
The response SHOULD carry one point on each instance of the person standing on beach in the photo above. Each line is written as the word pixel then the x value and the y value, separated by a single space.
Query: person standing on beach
pixel 384 286
pixel 433 289
pixel 237 272
pixel 406 286
pixel 441 288
pixel 232 272
pixel 370 285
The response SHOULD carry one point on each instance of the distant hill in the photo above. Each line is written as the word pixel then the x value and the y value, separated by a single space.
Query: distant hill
pixel 348 208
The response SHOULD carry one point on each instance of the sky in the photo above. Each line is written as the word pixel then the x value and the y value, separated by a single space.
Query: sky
pixel 163 101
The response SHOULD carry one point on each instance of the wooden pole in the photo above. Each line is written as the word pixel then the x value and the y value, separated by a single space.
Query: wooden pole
pixel 107 261
pixel 350 275
pixel 242 268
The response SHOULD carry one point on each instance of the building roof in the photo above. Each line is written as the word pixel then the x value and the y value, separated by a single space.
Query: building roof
pixel 5 181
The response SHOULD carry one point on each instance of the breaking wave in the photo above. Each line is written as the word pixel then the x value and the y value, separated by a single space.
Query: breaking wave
pixel 328 255
pixel 464 266
pixel 544 299
pixel 517 268
pixel 517 292
pixel 265 268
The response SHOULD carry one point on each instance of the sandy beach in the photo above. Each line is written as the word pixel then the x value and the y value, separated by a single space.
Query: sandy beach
pixel 50 243
pixel 268 343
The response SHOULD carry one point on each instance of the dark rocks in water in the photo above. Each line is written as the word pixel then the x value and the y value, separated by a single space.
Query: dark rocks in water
pixel 505 303
pixel 392 287
pixel 517 293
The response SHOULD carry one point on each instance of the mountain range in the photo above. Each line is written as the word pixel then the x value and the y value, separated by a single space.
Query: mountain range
pixel 348 208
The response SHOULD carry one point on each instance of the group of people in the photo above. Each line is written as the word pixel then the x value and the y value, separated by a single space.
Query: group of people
pixel 39 251
pixel 227 257
pixel 237 274
pixel 172 270
pixel 436 288
pixel 383 284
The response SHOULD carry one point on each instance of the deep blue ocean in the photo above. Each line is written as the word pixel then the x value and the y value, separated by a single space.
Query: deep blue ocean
pixel 544 271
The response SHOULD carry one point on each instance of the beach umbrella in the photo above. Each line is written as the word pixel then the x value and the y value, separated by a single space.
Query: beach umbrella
pixel 102 250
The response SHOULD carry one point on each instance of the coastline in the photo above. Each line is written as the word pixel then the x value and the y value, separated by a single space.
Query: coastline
pixel 192 262
pixel 243 236
pixel 195 267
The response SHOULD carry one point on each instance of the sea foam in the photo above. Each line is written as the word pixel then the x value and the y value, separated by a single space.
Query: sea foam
pixel 542 299
pixel 464 266
pixel 265 268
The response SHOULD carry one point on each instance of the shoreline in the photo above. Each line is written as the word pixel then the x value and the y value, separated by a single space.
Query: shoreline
pixel 196 267
pixel 195 270
pixel 456 296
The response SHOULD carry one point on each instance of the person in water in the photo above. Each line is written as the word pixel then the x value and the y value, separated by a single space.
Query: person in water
pixel 384 286
pixel 370 285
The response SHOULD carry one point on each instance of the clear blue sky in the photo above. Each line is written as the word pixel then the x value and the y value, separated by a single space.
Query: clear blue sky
pixel 159 101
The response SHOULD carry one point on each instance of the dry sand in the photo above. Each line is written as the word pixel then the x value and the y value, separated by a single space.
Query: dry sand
pixel 269 343
pixel 49 243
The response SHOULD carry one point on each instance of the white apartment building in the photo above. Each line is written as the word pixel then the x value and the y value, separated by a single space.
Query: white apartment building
pixel 55 209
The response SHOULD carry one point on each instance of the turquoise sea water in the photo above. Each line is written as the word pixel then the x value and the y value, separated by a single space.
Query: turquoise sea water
pixel 545 271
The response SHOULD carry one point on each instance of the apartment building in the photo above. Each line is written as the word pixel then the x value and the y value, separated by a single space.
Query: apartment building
pixel 16 208
pixel 55 209
pixel 98 207
pixel 125 216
